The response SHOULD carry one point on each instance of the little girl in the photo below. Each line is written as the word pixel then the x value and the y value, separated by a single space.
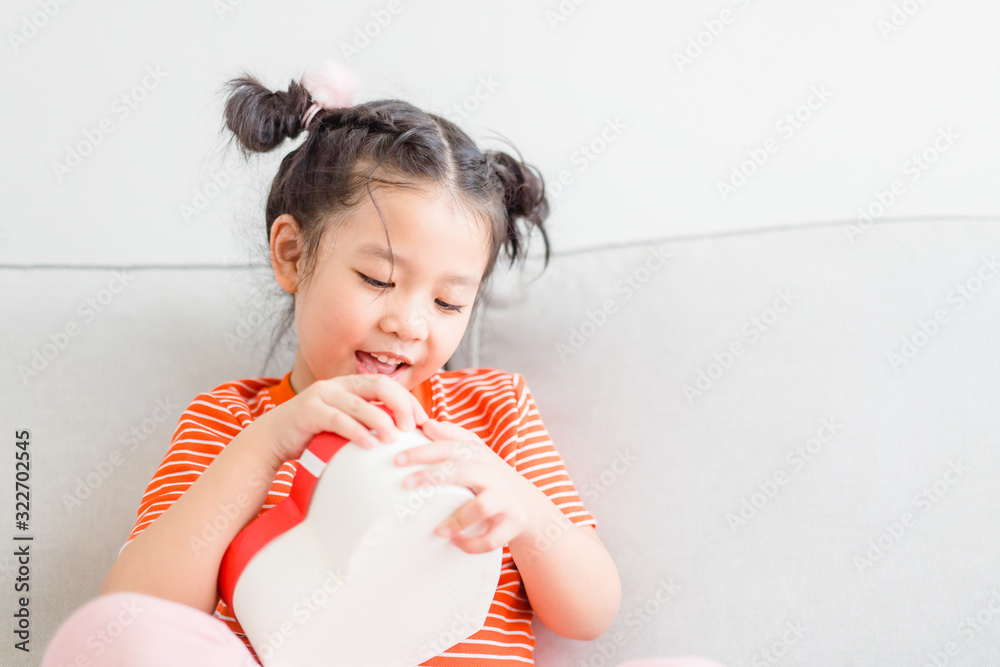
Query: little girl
pixel 384 225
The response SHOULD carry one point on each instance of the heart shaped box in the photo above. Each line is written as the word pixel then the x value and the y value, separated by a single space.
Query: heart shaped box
pixel 347 571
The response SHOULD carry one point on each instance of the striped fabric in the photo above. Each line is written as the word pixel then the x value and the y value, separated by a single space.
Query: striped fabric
pixel 495 405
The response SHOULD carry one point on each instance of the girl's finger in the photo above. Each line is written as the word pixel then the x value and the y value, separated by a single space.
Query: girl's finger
pixel 349 396
pixel 348 427
pixel 391 394
pixel 358 395
pixel 465 443
pixel 483 507
pixel 435 475
pixel 432 452
pixel 419 414
pixel 444 430
pixel 497 532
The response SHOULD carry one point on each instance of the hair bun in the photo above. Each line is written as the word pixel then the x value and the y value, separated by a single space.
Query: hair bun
pixel 262 119
pixel 523 197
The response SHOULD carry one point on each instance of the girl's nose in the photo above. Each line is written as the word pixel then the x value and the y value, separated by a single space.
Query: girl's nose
pixel 406 319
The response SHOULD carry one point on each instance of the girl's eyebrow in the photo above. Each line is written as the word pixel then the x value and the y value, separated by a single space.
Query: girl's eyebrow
pixel 381 252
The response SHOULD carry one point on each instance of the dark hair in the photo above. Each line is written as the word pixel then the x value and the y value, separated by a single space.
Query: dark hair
pixel 322 179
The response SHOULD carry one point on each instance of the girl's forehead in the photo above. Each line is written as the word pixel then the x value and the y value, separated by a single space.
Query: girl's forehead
pixel 414 217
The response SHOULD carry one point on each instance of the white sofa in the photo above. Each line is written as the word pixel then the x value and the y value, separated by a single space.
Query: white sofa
pixel 789 438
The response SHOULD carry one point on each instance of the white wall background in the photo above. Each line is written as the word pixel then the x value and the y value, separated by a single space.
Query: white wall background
pixel 892 87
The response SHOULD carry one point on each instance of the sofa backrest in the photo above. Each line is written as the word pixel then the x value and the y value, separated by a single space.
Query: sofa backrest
pixel 788 438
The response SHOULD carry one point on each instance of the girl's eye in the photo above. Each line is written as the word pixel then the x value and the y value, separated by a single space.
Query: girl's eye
pixel 381 285
pixel 373 282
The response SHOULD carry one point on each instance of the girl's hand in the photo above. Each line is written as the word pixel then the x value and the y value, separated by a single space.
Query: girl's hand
pixel 498 513
pixel 341 405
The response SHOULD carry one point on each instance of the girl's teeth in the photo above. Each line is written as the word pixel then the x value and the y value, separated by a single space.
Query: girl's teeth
pixel 386 360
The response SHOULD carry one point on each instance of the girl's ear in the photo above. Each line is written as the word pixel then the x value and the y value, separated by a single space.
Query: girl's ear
pixel 286 251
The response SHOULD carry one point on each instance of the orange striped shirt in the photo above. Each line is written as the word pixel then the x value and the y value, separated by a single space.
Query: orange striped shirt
pixel 495 405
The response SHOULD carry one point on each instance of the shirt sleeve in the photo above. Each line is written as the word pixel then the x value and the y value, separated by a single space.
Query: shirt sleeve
pixel 203 430
pixel 538 461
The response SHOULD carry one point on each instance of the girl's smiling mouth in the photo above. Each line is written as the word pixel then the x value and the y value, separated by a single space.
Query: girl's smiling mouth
pixel 366 364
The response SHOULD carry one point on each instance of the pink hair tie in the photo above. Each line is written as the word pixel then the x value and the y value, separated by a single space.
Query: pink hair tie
pixel 330 86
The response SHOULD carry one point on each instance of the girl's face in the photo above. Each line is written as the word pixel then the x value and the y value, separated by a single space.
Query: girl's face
pixel 439 255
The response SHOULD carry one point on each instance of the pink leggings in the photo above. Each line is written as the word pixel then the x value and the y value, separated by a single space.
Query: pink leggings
pixel 139 630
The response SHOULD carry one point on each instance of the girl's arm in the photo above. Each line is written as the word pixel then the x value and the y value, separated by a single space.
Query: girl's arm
pixel 177 556
pixel 570 578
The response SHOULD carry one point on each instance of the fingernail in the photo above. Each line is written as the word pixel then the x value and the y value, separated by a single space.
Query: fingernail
pixel 401 458
pixel 371 441
pixel 443 531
